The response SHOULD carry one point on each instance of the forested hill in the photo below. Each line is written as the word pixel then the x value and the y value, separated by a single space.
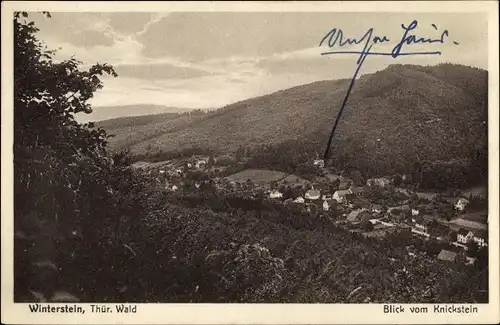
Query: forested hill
pixel 101 113
pixel 393 118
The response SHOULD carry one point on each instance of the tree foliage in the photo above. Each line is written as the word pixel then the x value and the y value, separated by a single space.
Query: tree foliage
pixel 69 194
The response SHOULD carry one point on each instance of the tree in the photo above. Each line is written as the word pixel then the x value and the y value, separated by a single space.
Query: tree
pixel 397 180
pixel 453 236
pixel 48 94
pixel 482 258
pixel 356 177
pixel 239 154
pixel 288 193
pixel 367 226
pixel 211 162
pixel 70 195
pixel 472 248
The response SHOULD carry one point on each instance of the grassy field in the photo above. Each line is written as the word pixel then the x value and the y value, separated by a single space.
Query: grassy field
pixel 264 177
pixel 257 176
pixel 469 224
pixel 475 191
pixel 481 216
pixel 295 180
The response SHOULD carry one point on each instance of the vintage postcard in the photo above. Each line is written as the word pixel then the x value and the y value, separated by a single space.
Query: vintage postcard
pixel 250 162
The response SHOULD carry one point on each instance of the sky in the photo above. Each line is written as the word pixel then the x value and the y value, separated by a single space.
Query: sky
pixel 211 59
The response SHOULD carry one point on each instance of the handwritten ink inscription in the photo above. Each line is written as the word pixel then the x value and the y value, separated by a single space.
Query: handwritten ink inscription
pixel 335 39
pixel 336 42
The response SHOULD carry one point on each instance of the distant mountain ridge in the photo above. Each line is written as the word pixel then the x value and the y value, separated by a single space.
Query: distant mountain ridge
pixel 394 117
pixel 101 113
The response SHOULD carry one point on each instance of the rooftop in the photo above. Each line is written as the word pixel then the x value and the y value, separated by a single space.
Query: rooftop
pixel 356 189
pixel 353 215
pixel 343 192
pixel 313 193
pixel 463 231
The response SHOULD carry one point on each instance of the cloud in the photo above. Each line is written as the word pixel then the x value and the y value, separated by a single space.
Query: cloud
pixel 120 52
pixel 154 71
pixel 91 38
pixel 78 29
pixel 201 36
pixel 210 59
pixel 129 23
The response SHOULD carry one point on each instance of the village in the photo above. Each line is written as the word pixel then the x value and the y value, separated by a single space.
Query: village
pixel 374 209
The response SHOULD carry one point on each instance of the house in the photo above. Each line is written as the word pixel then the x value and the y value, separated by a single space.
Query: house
pixel 446 255
pixel 275 194
pixel 353 215
pixel 300 199
pixel 312 194
pixel 340 195
pixel 350 197
pixel 404 207
pixel 326 197
pixel 464 235
pixel 470 260
pixel 357 191
pixel 327 204
pixel 201 163
pixel 377 208
pixel 461 204
pixel 481 238
pixel 422 223
pixel 414 212
pixel 319 162
pixel 359 215
pixel 380 182
pixel 399 212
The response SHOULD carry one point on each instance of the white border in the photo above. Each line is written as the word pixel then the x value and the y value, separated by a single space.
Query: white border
pixel 247 313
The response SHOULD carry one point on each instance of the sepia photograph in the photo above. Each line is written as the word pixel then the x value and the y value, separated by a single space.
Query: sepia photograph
pixel 251 157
